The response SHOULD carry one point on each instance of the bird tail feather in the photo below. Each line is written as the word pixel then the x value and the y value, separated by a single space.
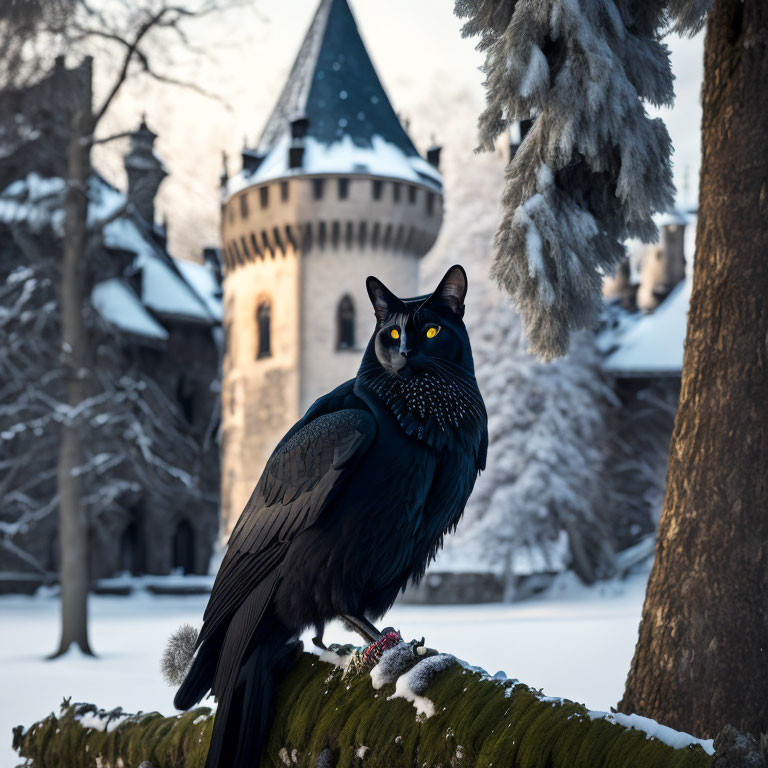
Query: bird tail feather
pixel 244 712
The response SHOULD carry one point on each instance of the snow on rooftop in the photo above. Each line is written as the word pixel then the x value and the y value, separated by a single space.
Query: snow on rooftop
pixel 114 300
pixel 468 554
pixel 202 279
pixel 161 288
pixel 34 201
pixel 652 345
pixel 383 158
pixel 38 202
pixel 674 217
pixel 103 200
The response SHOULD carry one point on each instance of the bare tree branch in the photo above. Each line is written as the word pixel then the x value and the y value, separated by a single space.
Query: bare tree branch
pixel 128 58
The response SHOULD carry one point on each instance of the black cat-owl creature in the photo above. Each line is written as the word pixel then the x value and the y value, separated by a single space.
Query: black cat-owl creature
pixel 353 503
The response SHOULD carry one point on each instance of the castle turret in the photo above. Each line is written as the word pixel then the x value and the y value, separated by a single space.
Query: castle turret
pixel 333 191
pixel 663 265
pixel 145 172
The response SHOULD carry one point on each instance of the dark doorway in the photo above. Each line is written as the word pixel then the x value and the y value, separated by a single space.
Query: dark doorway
pixel 132 550
pixel 184 548
pixel 185 396
pixel 52 563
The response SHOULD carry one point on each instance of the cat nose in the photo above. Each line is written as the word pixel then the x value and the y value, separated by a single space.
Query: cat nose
pixel 405 352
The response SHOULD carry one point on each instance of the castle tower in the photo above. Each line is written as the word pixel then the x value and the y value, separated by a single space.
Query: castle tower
pixel 334 191
pixel 663 265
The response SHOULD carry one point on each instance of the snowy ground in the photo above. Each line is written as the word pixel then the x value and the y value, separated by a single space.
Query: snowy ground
pixel 574 642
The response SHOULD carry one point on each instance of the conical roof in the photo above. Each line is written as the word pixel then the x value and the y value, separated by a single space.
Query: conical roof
pixel 352 127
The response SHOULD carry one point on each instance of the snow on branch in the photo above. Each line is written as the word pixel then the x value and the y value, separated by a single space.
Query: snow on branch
pixel 437 711
pixel 594 167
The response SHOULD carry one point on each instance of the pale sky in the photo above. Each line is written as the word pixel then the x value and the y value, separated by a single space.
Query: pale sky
pixel 429 71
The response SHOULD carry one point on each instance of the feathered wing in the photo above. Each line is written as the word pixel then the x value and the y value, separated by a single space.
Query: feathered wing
pixel 298 482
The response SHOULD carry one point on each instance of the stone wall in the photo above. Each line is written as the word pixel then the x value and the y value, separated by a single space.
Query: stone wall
pixel 260 394
pixel 662 267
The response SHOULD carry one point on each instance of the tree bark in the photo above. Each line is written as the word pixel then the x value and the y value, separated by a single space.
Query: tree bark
pixel 325 719
pixel 73 517
pixel 702 655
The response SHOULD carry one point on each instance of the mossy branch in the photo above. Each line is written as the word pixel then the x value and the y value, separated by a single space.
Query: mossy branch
pixel 325 719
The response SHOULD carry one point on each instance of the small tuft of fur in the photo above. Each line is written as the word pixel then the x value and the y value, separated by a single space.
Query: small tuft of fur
pixel 178 654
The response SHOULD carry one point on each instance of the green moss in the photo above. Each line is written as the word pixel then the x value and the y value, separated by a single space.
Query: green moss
pixel 476 723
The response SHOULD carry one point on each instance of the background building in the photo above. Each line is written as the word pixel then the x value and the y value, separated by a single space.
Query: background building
pixel 151 473
pixel 333 191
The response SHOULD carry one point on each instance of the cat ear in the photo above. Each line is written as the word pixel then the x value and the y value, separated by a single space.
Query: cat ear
pixel 384 301
pixel 451 290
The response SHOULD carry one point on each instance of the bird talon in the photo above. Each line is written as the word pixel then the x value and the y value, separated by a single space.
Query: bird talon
pixel 318 643
pixel 368 656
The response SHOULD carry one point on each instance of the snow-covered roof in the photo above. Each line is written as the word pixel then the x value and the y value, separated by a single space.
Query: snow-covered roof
pixel 38 202
pixel 202 279
pixel 116 302
pixel 352 127
pixel 673 217
pixel 380 158
pixel 640 345
pixel 35 202
pixel 163 289
pixel 468 554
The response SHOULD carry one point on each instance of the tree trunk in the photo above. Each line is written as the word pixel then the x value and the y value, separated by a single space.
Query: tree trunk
pixel 325 719
pixel 73 517
pixel 702 656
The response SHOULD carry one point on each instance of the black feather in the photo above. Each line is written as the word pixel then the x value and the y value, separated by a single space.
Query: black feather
pixel 353 503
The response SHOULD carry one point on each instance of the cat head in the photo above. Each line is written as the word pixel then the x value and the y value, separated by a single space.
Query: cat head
pixel 418 363
pixel 412 334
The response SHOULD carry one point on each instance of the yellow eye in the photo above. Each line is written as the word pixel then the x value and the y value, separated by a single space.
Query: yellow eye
pixel 432 331
pixel 394 333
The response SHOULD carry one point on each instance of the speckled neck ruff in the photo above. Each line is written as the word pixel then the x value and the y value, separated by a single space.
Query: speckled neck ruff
pixel 434 405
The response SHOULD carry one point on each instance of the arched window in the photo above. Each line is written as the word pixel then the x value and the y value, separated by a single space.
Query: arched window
pixel 184 548
pixel 345 323
pixel 263 329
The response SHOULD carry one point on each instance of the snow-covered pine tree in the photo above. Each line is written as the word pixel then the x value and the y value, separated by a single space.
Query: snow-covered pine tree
pixel 544 502
pixel 594 167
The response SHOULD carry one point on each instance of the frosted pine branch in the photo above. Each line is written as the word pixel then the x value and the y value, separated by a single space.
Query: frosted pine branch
pixel 594 167
pixel 687 16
